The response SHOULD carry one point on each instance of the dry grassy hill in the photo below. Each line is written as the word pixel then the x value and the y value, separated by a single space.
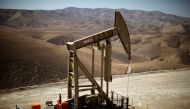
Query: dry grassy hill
pixel 165 51
pixel 33 42
pixel 27 61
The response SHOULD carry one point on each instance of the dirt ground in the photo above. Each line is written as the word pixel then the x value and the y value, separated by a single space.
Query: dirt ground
pixel 147 90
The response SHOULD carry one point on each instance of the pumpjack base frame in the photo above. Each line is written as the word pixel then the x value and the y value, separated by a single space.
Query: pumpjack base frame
pixel 94 102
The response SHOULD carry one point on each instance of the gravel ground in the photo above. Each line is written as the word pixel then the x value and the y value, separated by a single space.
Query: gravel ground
pixel 152 90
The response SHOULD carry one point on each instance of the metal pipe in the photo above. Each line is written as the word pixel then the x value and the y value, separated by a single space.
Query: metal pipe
pixel 86 86
pixel 107 87
pixel 107 61
pixel 102 66
pixel 86 89
pixel 93 91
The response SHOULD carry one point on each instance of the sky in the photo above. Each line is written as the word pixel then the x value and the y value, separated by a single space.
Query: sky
pixel 176 7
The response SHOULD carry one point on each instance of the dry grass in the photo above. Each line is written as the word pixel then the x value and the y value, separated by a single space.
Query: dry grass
pixel 27 61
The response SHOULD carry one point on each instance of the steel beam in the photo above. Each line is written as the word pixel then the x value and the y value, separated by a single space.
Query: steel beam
pixel 76 86
pixel 70 75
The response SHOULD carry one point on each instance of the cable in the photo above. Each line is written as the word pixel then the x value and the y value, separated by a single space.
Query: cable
pixel 128 71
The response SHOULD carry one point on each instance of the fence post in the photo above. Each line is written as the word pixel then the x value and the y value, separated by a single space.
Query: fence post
pixel 122 101
pixel 112 97
pixel 127 103
pixel 117 99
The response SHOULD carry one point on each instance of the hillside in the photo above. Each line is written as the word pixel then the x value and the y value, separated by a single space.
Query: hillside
pixel 26 61
pixel 75 21
pixel 33 42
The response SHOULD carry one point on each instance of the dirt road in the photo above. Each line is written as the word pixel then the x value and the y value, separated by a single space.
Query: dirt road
pixel 157 90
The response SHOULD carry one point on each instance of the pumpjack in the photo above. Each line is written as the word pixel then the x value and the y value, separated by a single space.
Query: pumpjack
pixel 99 99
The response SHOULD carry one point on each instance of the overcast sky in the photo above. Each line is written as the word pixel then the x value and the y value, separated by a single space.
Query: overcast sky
pixel 177 7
